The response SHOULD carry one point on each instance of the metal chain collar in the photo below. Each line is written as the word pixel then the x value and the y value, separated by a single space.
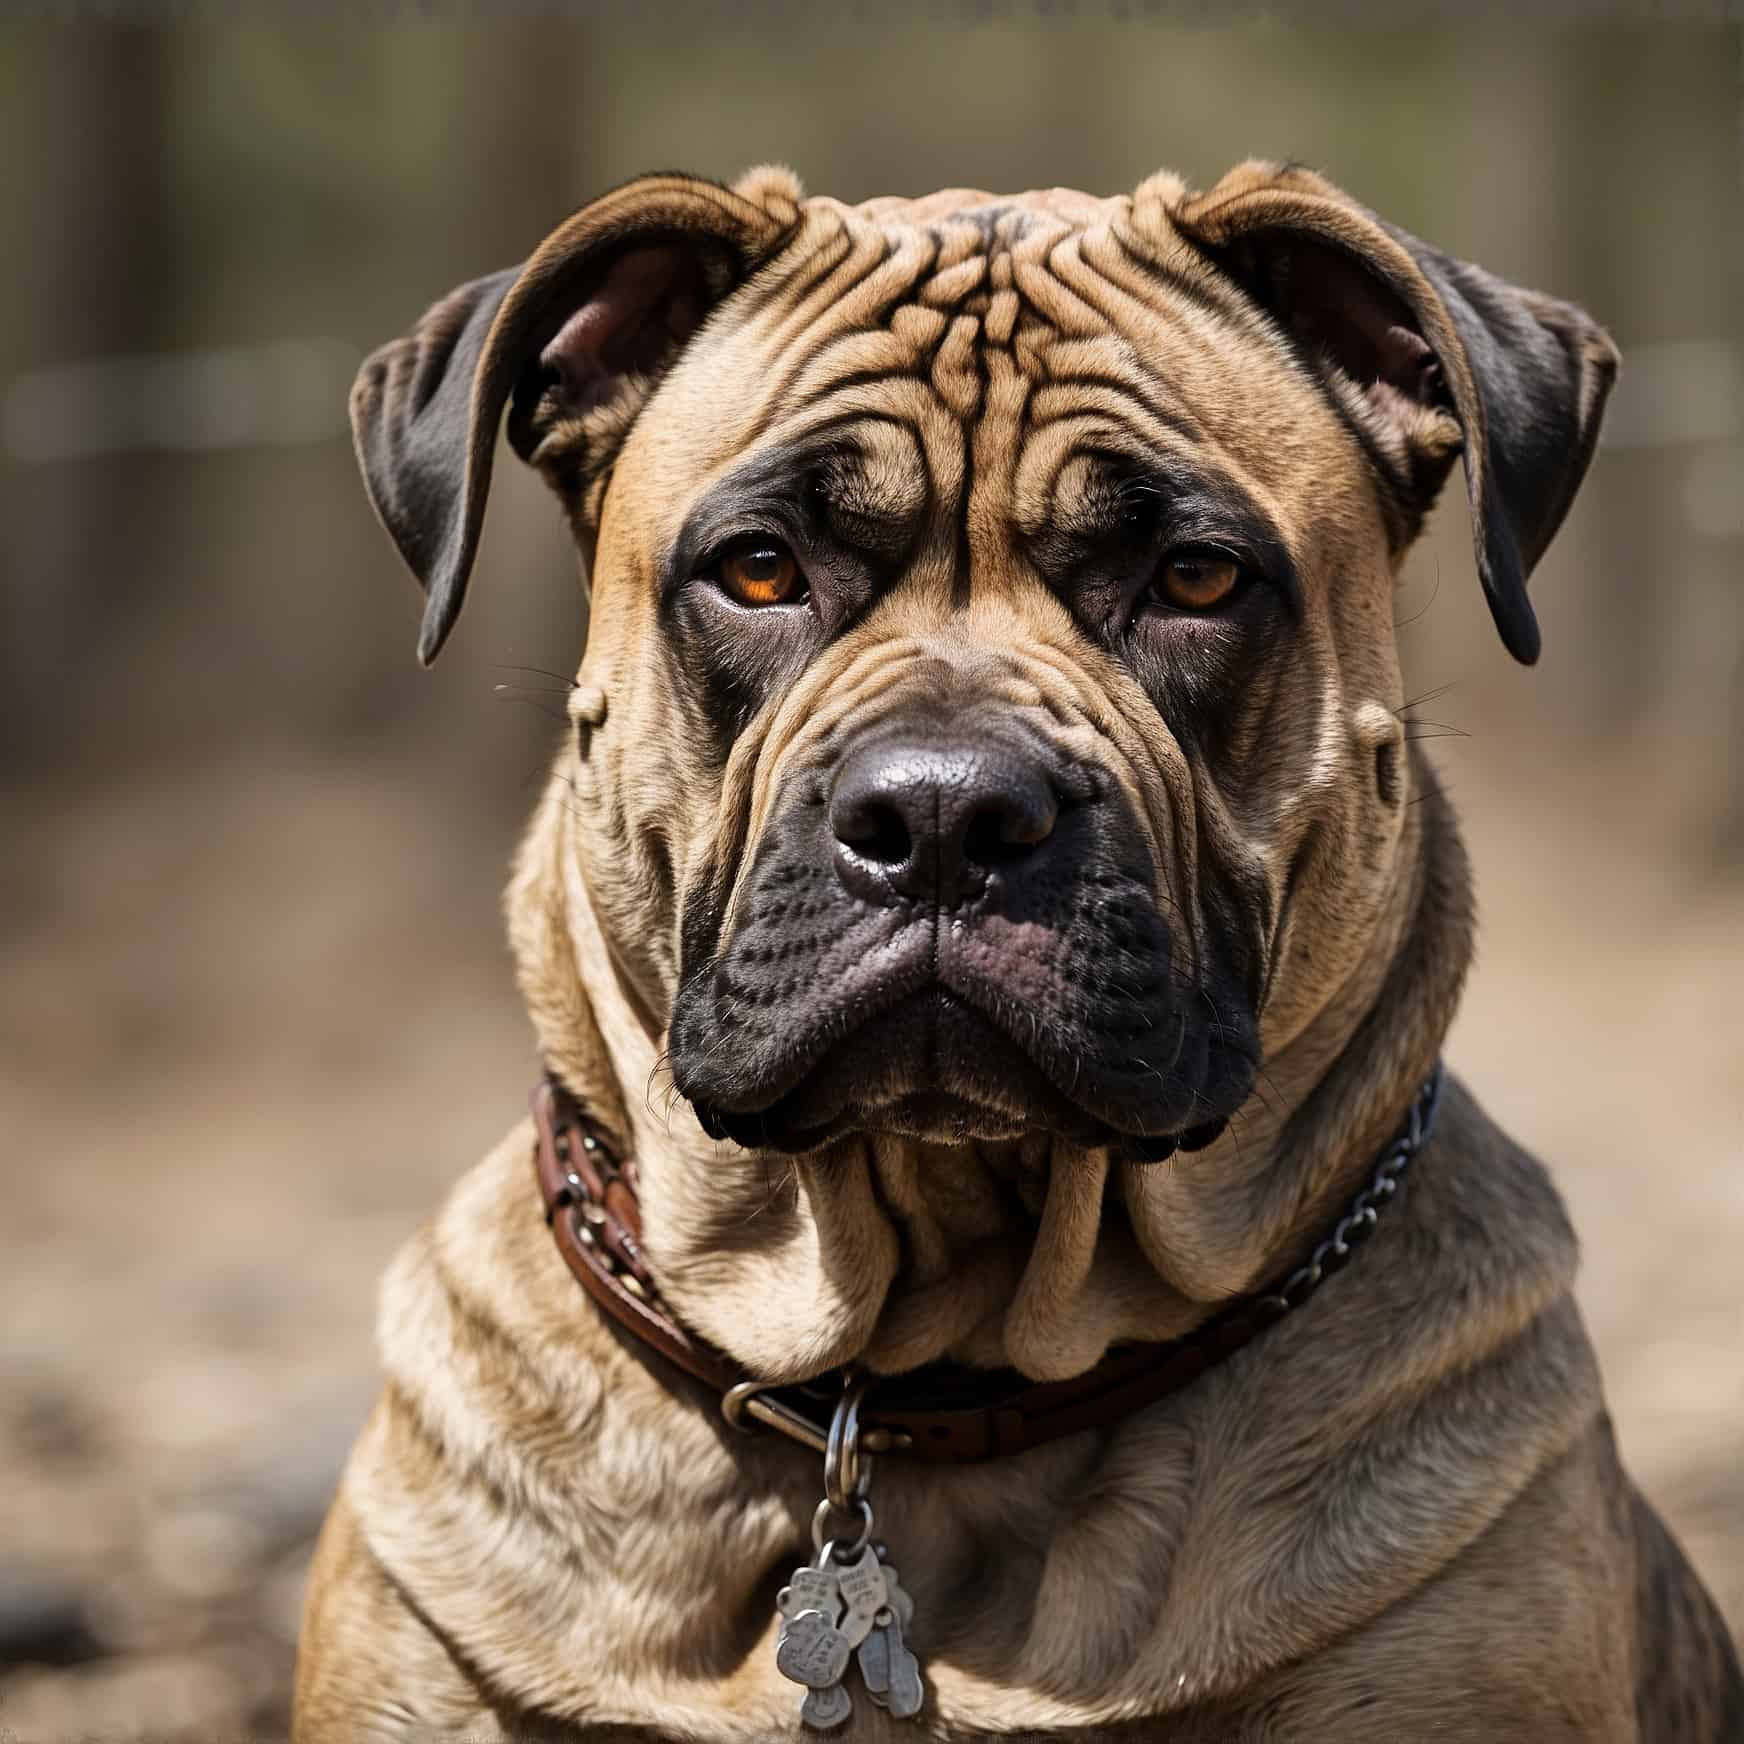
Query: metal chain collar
pixel 1358 1223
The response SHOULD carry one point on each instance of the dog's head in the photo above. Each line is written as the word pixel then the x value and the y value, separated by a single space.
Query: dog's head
pixel 988 719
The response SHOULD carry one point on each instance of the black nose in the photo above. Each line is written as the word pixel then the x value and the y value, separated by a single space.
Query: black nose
pixel 917 819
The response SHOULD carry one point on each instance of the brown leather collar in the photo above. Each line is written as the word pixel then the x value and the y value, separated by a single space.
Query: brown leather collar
pixel 943 1412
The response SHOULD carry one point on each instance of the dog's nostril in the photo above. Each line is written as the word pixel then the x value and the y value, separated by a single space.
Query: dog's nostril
pixel 877 832
pixel 1004 831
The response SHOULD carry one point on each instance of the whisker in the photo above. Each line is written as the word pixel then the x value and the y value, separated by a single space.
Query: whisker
pixel 1425 696
pixel 563 679
pixel 1434 594
pixel 530 699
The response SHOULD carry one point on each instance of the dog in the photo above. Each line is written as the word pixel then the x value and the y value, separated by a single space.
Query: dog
pixel 986 901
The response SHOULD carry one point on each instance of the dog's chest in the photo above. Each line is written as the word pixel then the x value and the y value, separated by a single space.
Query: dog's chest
pixel 613 1552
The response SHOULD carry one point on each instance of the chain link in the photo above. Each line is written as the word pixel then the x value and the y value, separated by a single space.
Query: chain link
pixel 1358 1223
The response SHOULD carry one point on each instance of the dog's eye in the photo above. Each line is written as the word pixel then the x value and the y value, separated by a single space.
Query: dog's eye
pixel 762 573
pixel 1196 581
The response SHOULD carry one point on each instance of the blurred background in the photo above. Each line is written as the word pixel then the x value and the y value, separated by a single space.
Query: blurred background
pixel 255 1012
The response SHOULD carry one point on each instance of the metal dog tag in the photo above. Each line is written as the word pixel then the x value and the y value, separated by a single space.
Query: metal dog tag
pixel 874 1657
pixel 899 1599
pixel 848 1600
pixel 810 1589
pixel 891 1672
pixel 907 1687
pixel 865 1592
pixel 811 1650
pixel 826 1708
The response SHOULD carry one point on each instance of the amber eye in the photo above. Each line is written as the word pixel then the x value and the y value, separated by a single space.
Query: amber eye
pixel 1196 581
pixel 764 574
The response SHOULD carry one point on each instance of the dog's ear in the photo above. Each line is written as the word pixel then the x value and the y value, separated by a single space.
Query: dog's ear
pixel 591 319
pixel 1429 355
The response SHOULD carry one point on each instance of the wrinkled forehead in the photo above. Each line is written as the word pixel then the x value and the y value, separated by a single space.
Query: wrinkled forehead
pixel 1041 209
pixel 1035 354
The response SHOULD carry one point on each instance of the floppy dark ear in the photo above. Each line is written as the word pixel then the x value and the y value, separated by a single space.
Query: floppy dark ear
pixel 1432 356
pixel 598 311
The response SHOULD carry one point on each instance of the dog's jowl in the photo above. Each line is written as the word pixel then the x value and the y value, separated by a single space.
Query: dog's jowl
pixel 991 945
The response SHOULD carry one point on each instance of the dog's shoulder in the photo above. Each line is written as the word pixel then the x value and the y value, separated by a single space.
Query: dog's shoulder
pixel 538 1496
pixel 1475 1268
pixel 369 1668
pixel 1484 1183
pixel 466 1383
pixel 1501 1206
pixel 484 1343
pixel 1689 1687
pixel 1524 1634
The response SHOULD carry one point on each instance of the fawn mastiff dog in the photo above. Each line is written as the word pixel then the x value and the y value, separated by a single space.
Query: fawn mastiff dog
pixel 991 942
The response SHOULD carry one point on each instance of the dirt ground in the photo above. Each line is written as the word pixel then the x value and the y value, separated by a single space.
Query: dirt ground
pixel 238 1065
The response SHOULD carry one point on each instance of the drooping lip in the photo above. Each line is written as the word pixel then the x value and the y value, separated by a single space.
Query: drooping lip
pixel 1044 1079
pixel 887 1071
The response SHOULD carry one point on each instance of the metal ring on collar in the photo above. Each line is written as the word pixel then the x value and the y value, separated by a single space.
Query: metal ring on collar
pixel 844 1548
pixel 847 1470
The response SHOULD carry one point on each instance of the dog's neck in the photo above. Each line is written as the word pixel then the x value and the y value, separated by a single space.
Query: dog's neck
pixel 1037 1255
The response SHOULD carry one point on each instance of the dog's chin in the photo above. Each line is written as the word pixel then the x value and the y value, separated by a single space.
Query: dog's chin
pixel 929 1067
pixel 943 1118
